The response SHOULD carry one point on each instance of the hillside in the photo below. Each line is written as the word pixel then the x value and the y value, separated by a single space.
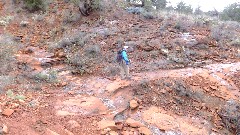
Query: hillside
pixel 59 75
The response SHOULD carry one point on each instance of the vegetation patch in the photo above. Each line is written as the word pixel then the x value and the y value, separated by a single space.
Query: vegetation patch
pixel 34 5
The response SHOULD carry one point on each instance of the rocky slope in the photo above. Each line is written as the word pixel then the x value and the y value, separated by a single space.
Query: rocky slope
pixel 64 80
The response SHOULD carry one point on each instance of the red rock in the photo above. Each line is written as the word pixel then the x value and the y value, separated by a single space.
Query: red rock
pixel 50 132
pixel 125 133
pixel 63 84
pixel 140 107
pixel 213 87
pixel 103 124
pixel 113 133
pixel 68 132
pixel 71 92
pixel 7 112
pixel 119 126
pixel 133 104
pixel 133 123
pixel 5 129
pixel 144 130
pixel 73 124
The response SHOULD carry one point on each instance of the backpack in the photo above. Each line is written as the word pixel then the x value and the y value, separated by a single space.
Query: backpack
pixel 119 56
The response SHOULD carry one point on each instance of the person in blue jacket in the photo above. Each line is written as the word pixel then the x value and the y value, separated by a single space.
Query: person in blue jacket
pixel 124 64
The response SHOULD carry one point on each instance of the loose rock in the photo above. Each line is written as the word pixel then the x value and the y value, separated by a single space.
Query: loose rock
pixel 73 124
pixel 5 129
pixel 144 130
pixel 133 123
pixel 7 112
pixel 103 124
pixel 133 104
pixel 113 133
pixel 24 24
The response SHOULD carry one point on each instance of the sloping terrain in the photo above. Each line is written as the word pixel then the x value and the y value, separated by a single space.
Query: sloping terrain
pixel 64 78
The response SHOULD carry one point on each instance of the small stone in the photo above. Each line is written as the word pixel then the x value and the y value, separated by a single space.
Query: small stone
pixel 5 129
pixel 24 24
pixel 104 132
pixel 113 133
pixel 144 130
pixel 73 124
pixel 71 92
pixel 133 123
pixel 163 91
pixel 103 124
pixel 68 132
pixel 125 133
pixel 133 104
pixel 140 107
pixel 50 132
pixel 7 112
pixel 63 84
pixel 28 51
pixel 15 105
pixel 213 87
pixel 61 55
pixel 119 126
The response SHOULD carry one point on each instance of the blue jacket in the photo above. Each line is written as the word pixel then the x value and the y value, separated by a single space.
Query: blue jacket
pixel 125 57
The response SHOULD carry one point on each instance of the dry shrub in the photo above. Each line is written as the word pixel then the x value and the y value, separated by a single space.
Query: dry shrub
pixel 225 31
pixel 70 16
pixel 184 24
pixel 85 61
pixel 7 50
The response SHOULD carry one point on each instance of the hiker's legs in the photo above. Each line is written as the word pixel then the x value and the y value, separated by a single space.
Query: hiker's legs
pixel 122 71
pixel 126 70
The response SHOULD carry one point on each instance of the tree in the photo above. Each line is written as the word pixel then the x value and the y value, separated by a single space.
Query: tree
pixel 213 13
pixel 183 8
pixel 198 11
pixel 159 4
pixel 231 12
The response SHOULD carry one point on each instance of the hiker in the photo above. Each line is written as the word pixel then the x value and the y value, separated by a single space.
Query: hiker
pixel 124 62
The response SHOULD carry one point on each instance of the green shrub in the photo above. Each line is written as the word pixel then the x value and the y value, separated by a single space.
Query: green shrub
pixel 46 76
pixel 183 8
pixel 148 15
pixel 184 24
pixel 10 94
pixel 231 12
pixel 235 42
pixel 34 5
